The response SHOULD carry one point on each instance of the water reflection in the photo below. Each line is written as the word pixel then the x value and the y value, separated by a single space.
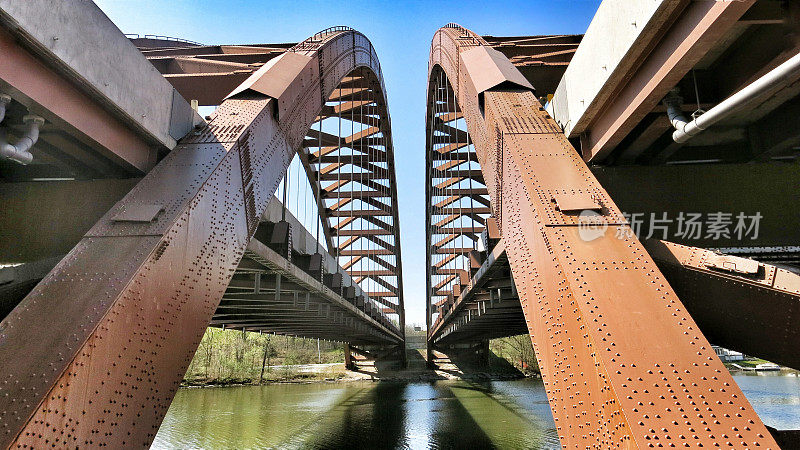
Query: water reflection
pixel 774 396
pixel 440 415
pixel 244 417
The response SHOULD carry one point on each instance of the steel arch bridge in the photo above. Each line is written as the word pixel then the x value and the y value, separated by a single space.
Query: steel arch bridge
pixel 512 212
pixel 201 239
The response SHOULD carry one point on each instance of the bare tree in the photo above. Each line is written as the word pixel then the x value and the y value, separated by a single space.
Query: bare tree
pixel 268 352
pixel 207 347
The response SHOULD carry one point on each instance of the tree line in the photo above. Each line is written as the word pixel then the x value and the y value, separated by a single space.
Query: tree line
pixel 234 356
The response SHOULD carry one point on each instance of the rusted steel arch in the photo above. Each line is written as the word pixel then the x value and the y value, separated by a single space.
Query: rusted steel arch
pixel 457 202
pixel 624 365
pixel 360 98
pixel 94 354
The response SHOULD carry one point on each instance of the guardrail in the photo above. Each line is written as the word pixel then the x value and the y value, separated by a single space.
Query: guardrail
pixel 467 34
pixel 309 43
pixel 160 38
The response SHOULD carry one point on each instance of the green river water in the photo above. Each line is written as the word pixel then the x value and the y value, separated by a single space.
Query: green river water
pixel 439 415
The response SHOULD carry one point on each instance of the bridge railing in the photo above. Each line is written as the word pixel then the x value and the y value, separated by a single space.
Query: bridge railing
pixel 316 38
pixel 467 34
pixel 161 38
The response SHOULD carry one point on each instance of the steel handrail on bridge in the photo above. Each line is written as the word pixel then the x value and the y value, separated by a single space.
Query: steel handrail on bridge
pixel 161 38
pixel 316 38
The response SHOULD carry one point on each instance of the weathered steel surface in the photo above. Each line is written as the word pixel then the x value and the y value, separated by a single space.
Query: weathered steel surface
pixel 460 233
pixel 94 354
pixel 62 103
pixel 623 363
pixel 351 172
pixel 739 303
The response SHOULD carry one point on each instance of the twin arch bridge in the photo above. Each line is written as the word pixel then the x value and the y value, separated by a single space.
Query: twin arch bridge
pixel 131 223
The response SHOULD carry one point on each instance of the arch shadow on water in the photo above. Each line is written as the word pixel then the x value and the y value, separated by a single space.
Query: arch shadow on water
pixel 391 415
pixel 396 415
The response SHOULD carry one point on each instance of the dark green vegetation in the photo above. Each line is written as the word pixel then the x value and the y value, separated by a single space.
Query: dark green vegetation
pixel 227 357
pixel 236 357
pixel 517 350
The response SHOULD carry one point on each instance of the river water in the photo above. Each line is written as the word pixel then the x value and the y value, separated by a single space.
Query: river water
pixel 440 415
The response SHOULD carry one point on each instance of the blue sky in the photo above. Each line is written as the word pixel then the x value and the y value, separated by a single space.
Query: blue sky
pixel 401 33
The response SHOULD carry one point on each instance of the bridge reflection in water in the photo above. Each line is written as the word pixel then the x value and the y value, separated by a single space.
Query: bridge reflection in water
pixel 444 414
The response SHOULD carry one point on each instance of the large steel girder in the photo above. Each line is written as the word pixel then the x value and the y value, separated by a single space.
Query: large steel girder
pixel 623 363
pixel 94 354
pixel 740 304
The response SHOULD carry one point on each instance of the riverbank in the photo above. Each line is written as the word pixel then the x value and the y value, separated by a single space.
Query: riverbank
pixel 326 373
pixel 300 373
pixel 755 366
pixel 495 369
pixel 232 357
pixel 391 372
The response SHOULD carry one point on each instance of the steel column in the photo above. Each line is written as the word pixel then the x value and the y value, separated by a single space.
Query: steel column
pixel 623 363
pixel 94 354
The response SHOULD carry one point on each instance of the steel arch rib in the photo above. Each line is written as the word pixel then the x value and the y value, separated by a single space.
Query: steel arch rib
pixel 375 87
pixel 624 365
pixel 95 353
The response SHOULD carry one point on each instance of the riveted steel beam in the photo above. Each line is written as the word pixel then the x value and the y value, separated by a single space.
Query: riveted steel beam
pixel 623 362
pixel 118 319
pixel 351 160
pixel 739 303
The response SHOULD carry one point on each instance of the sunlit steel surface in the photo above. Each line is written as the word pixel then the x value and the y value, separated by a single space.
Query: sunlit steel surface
pixel 118 319
pixel 348 154
pixel 623 362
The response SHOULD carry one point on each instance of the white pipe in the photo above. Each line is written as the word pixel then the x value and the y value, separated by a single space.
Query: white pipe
pixel 774 79
pixel 5 99
pixel 20 152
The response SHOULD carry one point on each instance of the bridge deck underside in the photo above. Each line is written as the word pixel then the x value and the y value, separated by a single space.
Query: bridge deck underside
pixel 489 308
pixel 288 301
pixel 279 292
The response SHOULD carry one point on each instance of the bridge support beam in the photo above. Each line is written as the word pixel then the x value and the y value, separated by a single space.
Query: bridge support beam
pixel 348 358
pixel 117 321
pixel 623 363
pixel 610 333
pixel 740 304
pixel 94 354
